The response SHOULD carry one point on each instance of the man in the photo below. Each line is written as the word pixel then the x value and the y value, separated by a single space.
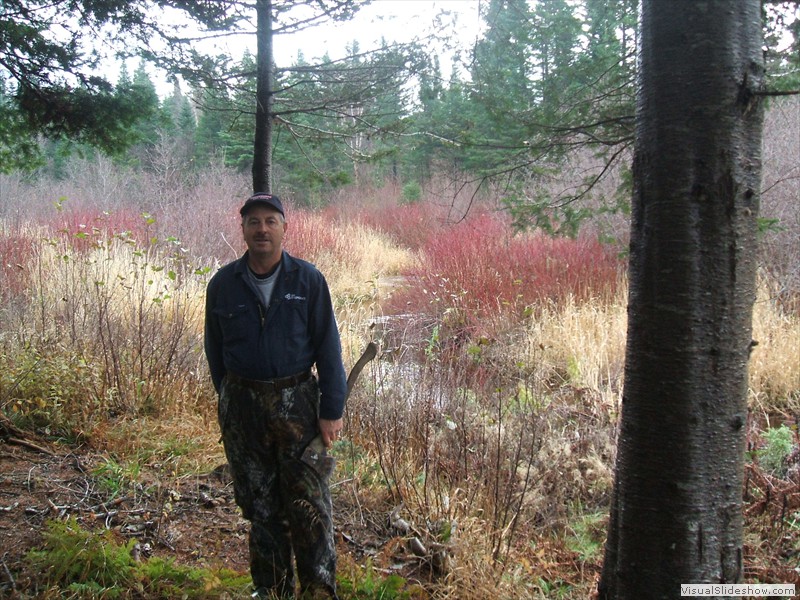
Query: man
pixel 269 319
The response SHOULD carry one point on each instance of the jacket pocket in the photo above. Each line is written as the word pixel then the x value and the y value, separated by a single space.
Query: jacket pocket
pixel 234 322
pixel 290 331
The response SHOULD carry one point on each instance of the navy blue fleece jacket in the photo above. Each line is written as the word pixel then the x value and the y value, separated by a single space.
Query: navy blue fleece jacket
pixel 297 330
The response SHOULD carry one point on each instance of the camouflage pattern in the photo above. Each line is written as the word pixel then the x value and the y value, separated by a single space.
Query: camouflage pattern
pixel 280 479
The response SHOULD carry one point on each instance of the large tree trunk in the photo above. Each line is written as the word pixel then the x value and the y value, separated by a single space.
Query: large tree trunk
pixel 262 146
pixel 676 515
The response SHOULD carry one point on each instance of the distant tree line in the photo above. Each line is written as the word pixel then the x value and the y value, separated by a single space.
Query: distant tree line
pixel 545 81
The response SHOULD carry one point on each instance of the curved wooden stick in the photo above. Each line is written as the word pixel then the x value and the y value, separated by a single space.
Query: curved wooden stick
pixel 370 352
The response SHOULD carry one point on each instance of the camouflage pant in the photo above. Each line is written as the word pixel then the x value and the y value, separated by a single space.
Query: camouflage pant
pixel 282 491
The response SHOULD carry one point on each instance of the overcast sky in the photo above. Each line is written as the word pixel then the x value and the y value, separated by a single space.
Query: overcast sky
pixel 394 20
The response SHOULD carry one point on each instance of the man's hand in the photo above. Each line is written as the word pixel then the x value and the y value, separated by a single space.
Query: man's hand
pixel 329 430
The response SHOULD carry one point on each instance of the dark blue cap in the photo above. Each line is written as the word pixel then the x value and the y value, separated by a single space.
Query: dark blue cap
pixel 270 200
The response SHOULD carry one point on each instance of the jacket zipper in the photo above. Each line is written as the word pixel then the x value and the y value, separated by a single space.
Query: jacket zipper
pixel 261 313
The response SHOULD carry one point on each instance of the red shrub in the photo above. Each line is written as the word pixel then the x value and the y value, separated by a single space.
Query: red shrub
pixel 310 235
pixel 478 269
pixel 85 228
pixel 409 225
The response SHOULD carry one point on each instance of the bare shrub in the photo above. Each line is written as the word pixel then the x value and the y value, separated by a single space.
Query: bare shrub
pixel 780 210
pixel 481 464
pixel 12 215
pixel 17 245
pixel 99 183
pixel 135 312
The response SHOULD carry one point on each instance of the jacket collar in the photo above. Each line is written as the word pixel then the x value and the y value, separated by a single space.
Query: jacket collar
pixel 288 263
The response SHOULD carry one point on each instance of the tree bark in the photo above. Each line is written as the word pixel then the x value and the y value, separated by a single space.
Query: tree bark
pixel 262 145
pixel 676 515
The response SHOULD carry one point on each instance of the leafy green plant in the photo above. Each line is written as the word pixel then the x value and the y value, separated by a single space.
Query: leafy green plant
pixel 112 477
pixel 553 589
pixel 364 584
pixel 587 535
pixel 574 368
pixel 412 192
pixel 779 443
pixel 73 555
pixel 353 461
pixel 433 342
pixel 526 399
pixel 92 564
pixel 46 389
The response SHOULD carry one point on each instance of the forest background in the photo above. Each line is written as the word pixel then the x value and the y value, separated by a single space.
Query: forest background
pixel 476 227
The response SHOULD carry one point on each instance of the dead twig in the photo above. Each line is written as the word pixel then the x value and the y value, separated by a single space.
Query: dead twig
pixel 11 579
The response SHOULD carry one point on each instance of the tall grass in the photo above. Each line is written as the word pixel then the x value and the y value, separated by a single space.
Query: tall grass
pixel 580 345
pixel 775 361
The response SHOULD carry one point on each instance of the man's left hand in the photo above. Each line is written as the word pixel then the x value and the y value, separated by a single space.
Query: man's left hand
pixel 330 431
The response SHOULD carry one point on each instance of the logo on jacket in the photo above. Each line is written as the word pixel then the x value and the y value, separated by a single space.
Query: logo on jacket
pixel 293 297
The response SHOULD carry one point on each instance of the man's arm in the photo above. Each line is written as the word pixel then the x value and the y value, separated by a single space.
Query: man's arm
pixel 212 339
pixel 328 355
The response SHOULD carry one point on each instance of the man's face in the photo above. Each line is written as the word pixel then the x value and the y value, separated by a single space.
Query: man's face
pixel 263 230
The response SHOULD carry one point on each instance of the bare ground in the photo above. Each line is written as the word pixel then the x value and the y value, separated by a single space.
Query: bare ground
pixel 191 519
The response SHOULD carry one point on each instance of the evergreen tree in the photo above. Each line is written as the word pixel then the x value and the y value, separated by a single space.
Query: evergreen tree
pixel 178 122
pixel 53 86
pixel 547 80
pixel 782 44
pixel 676 515
pixel 213 122
pixel 145 131
pixel 19 146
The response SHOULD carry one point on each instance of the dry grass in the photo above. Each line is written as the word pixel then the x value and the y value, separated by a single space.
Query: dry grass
pixel 352 256
pixel 775 361
pixel 581 344
pixel 117 277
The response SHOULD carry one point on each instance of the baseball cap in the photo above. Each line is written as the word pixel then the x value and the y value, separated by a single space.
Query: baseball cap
pixel 270 200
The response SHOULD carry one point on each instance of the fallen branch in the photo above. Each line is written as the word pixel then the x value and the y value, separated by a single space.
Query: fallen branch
pixel 12 434
pixel 30 445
